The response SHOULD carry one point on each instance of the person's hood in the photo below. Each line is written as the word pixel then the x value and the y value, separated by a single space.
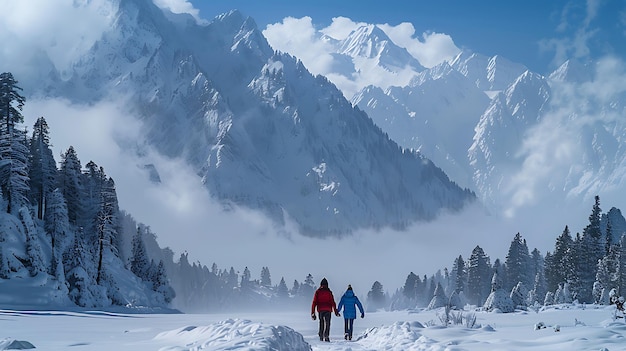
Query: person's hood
pixel 349 293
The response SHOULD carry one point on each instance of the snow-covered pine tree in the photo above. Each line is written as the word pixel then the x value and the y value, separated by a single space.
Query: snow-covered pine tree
pixel 57 225
pixel 536 263
pixel 518 263
pixel 83 289
pixel 607 276
pixel 498 298
pixel 459 274
pixel 14 168
pixel 266 278
pixel 232 279
pixel 439 298
pixel 622 265
pixel 42 166
pixel 282 292
pixel 36 263
pixel 563 294
pixel 538 293
pixel 590 252
pixel 13 149
pixel 139 263
pixel 559 264
pixel 161 284
pixel 70 183
pixel 478 277
pixel 519 295
pixel 246 279
pixel 107 225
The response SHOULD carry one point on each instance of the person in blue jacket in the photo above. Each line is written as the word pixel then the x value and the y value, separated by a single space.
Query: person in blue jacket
pixel 349 302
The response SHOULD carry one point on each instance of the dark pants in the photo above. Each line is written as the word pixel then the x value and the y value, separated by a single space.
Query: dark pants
pixel 324 331
pixel 348 323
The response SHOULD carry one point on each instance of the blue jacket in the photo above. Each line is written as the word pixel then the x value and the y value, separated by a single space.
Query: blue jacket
pixel 349 301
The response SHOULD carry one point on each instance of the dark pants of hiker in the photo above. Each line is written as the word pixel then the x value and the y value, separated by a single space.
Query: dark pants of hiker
pixel 324 332
pixel 348 323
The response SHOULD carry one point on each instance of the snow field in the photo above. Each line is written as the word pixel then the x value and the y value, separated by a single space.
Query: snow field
pixel 580 328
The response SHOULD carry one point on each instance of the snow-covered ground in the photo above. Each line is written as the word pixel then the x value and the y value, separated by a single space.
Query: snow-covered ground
pixel 579 328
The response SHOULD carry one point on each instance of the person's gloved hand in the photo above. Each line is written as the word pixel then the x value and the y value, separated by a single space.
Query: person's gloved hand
pixel 337 314
pixel 313 317
pixel 362 315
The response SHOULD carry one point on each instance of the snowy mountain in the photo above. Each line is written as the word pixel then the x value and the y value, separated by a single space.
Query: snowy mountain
pixel 260 130
pixel 435 113
pixel 370 42
pixel 511 135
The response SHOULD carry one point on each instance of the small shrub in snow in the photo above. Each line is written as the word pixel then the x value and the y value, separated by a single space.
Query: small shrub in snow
pixel 470 320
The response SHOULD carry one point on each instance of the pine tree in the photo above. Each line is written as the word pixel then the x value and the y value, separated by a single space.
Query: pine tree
pixel 590 252
pixel 559 265
pixel 622 265
pixel 439 298
pixel 70 183
pixel 295 289
pixel 460 274
pixel 376 297
pixel 282 291
pixel 266 279
pixel 107 226
pixel 307 288
pixel 139 260
pixel 518 263
pixel 607 276
pixel 57 226
pixel 478 277
pixel 83 289
pixel 498 298
pixel 42 166
pixel 245 279
pixel 13 149
pixel 161 285
pixel 409 286
pixel 33 245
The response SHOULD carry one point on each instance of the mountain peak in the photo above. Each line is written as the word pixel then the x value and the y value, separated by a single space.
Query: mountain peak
pixel 572 71
pixel 371 42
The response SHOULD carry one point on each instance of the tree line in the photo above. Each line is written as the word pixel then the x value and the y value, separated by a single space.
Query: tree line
pixel 587 268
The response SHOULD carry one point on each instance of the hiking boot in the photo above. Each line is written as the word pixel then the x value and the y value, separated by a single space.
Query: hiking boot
pixel 327 339
pixel 345 336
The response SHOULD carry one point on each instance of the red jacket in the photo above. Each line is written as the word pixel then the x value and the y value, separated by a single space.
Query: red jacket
pixel 323 300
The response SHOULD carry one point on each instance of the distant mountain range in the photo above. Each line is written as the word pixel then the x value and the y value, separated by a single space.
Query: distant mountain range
pixel 261 131
pixel 513 136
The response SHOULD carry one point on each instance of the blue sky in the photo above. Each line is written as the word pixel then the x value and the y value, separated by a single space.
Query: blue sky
pixel 537 33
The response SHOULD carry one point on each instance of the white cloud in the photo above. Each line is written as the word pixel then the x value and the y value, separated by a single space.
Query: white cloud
pixel 341 27
pixel 62 28
pixel 180 6
pixel 300 38
pixel 431 50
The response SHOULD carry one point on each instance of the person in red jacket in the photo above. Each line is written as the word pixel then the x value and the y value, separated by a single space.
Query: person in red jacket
pixel 325 303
